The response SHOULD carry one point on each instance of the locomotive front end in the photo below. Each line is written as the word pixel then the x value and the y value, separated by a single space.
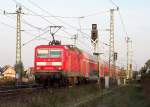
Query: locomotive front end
pixel 48 62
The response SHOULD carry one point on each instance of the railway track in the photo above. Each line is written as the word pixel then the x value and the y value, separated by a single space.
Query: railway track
pixel 8 92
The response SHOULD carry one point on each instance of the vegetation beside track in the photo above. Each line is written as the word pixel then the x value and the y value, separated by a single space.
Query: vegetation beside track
pixel 54 97
pixel 129 96
pixel 81 96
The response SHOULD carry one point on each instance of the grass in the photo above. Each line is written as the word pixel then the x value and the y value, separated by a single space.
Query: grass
pixel 123 97
pixel 128 96
pixel 64 97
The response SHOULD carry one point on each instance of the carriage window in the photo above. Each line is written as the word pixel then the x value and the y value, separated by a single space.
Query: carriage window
pixel 42 53
pixel 55 53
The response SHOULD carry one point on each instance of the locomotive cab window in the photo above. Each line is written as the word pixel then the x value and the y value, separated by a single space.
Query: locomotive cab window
pixel 54 53
pixel 42 53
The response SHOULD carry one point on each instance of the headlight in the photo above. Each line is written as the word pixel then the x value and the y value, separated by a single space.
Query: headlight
pixel 41 63
pixel 56 63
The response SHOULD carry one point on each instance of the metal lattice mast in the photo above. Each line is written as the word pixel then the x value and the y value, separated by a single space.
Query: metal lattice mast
pixel 129 58
pixel 18 37
pixel 18 65
pixel 112 53
pixel 111 42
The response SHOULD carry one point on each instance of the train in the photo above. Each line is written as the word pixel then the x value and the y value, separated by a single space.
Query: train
pixel 66 64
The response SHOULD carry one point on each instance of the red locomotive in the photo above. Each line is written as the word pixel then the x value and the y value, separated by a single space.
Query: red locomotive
pixel 64 64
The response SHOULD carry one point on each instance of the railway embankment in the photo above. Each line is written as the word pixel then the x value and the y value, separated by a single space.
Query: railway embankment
pixel 81 96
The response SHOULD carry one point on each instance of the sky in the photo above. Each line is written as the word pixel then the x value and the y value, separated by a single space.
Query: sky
pixel 35 21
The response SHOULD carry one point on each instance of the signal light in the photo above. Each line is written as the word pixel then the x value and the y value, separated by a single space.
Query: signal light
pixel 115 56
pixel 94 32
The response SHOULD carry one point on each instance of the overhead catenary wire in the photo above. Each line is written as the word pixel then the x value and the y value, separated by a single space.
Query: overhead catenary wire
pixel 123 24
pixel 25 22
pixel 72 17
pixel 113 3
pixel 42 18
pixel 31 25
pixel 121 17
pixel 10 26
pixel 51 15
pixel 56 17
pixel 49 22
pixel 33 12
pixel 35 38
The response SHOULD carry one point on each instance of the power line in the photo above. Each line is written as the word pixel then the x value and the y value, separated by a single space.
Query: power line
pixel 8 25
pixel 55 17
pixel 71 17
pixel 43 18
pixel 121 18
pixel 93 14
pixel 31 25
pixel 40 16
pixel 25 22
pixel 21 30
pixel 33 12
pixel 123 24
pixel 113 3
pixel 34 38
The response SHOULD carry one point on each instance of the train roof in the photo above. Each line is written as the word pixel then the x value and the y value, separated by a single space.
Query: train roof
pixel 71 47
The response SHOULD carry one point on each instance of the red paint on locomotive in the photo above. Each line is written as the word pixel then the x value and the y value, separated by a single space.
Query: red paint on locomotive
pixel 68 60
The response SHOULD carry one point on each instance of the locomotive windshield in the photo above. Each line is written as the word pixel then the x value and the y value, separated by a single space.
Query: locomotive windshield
pixel 42 53
pixel 54 53
pixel 49 53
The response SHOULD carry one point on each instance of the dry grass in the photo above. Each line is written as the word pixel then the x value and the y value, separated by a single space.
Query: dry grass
pixel 123 97
pixel 69 97
pixel 7 82
pixel 64 97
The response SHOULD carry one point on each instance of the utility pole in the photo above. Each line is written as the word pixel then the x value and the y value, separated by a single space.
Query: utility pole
pixel 112 61
pixel 18 64
pixel 129 58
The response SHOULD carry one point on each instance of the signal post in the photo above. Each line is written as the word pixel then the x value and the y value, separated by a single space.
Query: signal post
pixel 95 44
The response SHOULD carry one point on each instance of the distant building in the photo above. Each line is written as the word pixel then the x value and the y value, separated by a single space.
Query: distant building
pixel 30 73
pixel 1 70
pixel 9 72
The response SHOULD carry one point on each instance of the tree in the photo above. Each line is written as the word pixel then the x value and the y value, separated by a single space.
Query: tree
pixel 145 67
pixel 147 64
pixel 135 73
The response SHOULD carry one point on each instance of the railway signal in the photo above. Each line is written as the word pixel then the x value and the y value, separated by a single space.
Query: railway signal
pixel 94 32
pixel 115 56
pixel 95 42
